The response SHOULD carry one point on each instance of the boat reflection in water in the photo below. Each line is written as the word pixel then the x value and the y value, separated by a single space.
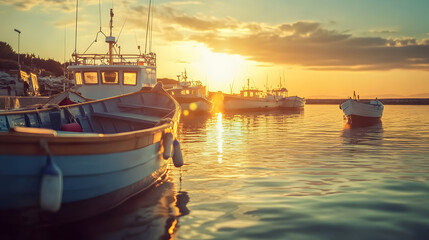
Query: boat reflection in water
pixel 153 214
pixel 371 134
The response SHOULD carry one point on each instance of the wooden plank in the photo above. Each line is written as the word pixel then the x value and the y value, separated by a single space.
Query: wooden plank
pixel 127 117
pixel 140 106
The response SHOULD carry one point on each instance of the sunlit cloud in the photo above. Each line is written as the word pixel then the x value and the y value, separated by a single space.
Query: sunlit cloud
pixel 308 44
pixel 301 43
pixel 185 3
pixel 26 5
pixel 382 31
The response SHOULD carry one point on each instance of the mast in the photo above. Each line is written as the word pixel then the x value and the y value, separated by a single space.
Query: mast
pixel 110 39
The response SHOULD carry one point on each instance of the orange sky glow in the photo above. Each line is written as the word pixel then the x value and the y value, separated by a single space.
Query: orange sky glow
pixel 315 50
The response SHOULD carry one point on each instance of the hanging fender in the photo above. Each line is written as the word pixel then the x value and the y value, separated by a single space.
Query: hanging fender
pixel 167 144
pixel 51 186
pixel 177 154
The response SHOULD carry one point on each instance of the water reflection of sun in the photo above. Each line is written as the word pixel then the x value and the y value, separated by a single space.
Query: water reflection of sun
pixel 219 137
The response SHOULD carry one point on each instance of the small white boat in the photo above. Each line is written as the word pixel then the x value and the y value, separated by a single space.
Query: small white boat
pixel 191 95
pixel 362 112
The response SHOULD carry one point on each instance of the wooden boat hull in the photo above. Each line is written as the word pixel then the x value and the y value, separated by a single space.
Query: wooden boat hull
pixel 292 102
pixel 361 112
pixel 194 105
pixel 85 194
pixel 357 120
pixel 100 168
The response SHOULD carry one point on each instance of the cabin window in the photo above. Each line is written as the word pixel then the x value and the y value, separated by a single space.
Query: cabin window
pixel 245 94
pixel 90 77
pixel 183 92
pixel 78 78
pixel 172 93
pixel 130 78
pixel 251 94
pixel 109 77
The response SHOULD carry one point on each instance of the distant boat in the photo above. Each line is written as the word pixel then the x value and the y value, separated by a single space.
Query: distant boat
pixel 284 101
pixel 255 99
pixel 362 112
pixel 191 95
pixel 67 163
pixel 250 99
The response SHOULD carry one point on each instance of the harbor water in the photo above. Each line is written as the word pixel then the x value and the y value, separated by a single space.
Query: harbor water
pixel 281 175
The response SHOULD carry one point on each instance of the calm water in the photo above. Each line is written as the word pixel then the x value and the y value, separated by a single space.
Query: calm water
pixel 283 175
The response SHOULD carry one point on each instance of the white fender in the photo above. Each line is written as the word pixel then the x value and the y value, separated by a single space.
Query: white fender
pixel 51 187
pixel 167 143
pixel 177 154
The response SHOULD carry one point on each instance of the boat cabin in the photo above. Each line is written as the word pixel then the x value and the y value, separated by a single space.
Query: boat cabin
pixel 101 81
pixel 189 89
pixel 279 93
pixel 252 93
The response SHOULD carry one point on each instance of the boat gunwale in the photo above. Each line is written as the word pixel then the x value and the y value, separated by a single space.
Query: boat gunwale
pixel 81 144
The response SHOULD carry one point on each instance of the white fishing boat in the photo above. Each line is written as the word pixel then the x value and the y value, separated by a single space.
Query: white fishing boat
pixel 284 101
pixel 249 99
pixel 362 112
pixel 191 95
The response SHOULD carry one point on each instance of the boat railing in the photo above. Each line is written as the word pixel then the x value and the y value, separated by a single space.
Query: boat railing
pixel 148 59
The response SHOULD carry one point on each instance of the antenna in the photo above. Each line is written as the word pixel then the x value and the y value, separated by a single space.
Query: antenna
pixel 147 25
pixel 75 34
pixel 231 86
pixel 99 12
pixel 65 46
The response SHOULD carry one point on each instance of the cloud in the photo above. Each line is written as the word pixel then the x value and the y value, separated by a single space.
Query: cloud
pixel 385 31
pixel 301 43
pixel 26 5
pixel 185 3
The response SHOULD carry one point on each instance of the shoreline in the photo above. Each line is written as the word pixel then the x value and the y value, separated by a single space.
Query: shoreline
pixel 385 101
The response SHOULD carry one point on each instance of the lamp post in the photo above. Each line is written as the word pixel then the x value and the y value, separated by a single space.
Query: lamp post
pixel 19 37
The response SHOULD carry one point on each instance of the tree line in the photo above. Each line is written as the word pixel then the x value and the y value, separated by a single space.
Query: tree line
pixel 29 62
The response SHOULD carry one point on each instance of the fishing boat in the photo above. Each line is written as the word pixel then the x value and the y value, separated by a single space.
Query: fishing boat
pixel 286 102
pixel 250 99
pixel 362 112
pixel 66 163
pixel 191 95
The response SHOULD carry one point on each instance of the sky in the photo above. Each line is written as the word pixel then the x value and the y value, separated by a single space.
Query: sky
pixel 314 48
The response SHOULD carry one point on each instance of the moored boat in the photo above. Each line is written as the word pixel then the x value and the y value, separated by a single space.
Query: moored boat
pixel 286 102
pixel 360 112
pixel 249 99
pixel 71 162
pixel 191 95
